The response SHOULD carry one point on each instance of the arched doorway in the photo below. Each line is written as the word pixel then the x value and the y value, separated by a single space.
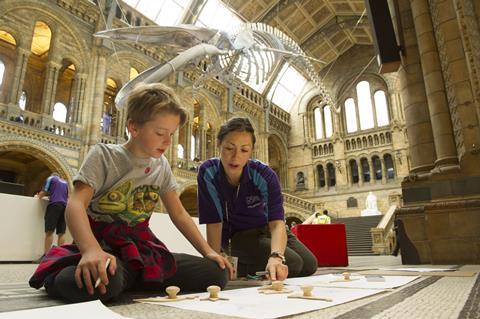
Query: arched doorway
pixel 189 200
pixel 292 221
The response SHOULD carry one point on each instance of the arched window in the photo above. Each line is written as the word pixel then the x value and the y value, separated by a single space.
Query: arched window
pixel 22 101
pixel 180 151
pixel 354 171
pixel 317 116
pixel 42 36
pixel 381 108
pixel 389 166
pixel 321 176
pixel 377 167
pixel 365 169
pixel 108 121
pixel 327 116
pixel 365 109
pixel 60 112
pixel 351 115
pixel 2 71
pixel 331 174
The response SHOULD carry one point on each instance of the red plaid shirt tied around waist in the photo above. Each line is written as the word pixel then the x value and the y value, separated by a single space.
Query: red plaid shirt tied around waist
pixel 135 245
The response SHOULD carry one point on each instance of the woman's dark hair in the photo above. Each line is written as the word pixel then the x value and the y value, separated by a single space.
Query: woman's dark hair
pixel 236 124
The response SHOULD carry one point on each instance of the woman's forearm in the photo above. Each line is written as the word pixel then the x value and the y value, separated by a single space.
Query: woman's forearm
pixel 279 236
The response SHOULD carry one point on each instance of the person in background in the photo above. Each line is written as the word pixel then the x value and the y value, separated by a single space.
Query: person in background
pixel 115 193
pixel 241 202
pixel 322 218
pixel 57 190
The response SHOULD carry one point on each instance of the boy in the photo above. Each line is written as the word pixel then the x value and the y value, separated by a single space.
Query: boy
pixel 115 193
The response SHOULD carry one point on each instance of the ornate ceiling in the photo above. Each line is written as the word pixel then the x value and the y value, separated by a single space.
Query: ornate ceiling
pixel 323 28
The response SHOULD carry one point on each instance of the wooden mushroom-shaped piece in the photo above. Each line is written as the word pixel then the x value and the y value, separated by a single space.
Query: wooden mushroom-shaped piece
pixel 307 294
pixel 172 292
pixel 172 296
pixel 277 285
pixel 307 290
pixel 213 290
pixel 275 288
pixel 346 276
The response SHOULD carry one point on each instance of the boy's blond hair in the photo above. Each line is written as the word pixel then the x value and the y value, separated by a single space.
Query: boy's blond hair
pixel 148 100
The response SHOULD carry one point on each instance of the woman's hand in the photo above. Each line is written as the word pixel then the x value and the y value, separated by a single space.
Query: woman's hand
pixel 222 262
pixel 276 270
pixel 92 266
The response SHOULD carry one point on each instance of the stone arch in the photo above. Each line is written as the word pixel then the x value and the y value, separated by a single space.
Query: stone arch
pixel 121 71
pixel 295 215
pixel 46 153
pixel 188 197
pixel 15 34
pixel 50 15
pixel 307 98
pixel 188 96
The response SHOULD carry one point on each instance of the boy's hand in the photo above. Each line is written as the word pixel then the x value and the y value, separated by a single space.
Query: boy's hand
pixel 222 262
pixel 91 266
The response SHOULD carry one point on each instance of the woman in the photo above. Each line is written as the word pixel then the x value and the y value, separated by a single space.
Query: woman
pixel 241 202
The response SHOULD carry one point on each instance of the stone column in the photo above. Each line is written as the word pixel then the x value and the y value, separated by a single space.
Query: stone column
pixel 77 98
pixel 349 175
pixel 412 89
pixel 174 148
pixel 200 151
pixel 395 106
pixel 99 91
pixel 434 86
pixel 372 171
pixel 188 142
pixel 21 64
pixel 49 87
pixel 360 173
pixel 384 170
pixel 374 109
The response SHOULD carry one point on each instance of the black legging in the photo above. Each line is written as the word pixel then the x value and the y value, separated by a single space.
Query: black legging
pixel 194 274
pixel 252 247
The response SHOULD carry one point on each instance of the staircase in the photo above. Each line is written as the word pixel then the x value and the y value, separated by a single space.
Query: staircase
pixel 359 240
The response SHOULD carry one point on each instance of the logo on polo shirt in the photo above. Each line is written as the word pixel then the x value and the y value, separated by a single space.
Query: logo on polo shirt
pixel 253 201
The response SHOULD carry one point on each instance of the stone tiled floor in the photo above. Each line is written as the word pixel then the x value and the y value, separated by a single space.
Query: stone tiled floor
pixel 427 297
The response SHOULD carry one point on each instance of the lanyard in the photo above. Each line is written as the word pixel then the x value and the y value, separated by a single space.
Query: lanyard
pixel 229 249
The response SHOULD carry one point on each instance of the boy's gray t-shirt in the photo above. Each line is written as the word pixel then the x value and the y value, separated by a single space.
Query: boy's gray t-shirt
pixel 126 188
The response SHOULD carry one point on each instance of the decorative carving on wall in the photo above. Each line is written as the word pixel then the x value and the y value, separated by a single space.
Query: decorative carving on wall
pixel 449 85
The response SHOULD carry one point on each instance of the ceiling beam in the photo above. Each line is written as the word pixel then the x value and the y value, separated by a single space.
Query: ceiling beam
pixel 273 11
pixel 337 22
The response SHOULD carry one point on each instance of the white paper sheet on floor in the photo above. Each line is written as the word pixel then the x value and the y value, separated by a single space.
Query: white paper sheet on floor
pixel 358 281
pixel 92 309
pixel 249 303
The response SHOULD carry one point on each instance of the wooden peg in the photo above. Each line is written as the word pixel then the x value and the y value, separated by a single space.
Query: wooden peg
pixel 277 285
pixel 172 292
pixel 346 276
pixel 307 294
pixel 307 290
pixel 213 290
pixel 275 288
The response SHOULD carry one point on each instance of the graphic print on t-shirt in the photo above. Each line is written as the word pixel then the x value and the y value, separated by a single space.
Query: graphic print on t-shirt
pixel 131 206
